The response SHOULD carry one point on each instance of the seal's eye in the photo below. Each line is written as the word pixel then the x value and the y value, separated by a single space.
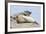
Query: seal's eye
pixel 25 14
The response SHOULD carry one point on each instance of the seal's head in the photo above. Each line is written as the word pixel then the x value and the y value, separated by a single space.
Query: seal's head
pixel 27 13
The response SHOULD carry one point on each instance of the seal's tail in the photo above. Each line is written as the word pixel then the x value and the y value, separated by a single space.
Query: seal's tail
pixel 36 23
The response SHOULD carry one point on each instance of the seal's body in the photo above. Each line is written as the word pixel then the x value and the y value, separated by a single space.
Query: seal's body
pixel 25 19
